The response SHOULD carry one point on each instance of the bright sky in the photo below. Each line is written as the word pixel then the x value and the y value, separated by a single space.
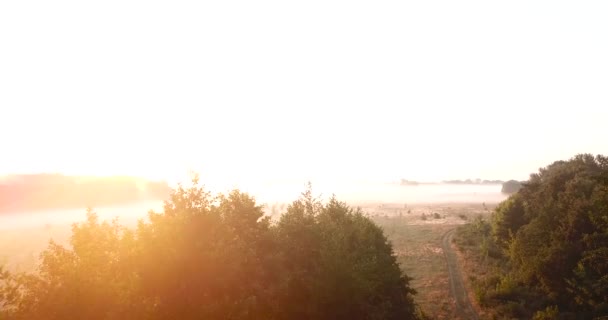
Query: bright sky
pixel 246 90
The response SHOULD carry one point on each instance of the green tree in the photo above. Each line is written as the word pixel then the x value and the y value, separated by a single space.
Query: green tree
pixel 554 232
pixel 340 265
pixel 508 217
pixel 511 187
pixel 217 257
pixel 88 280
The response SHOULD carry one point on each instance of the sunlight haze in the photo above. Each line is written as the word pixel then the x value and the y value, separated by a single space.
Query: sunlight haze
pixel 244 91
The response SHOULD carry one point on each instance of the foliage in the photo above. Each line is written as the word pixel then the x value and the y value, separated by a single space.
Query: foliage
pixel 553 240
pixel 218 257
pixel 550 313
pixel 511 187
pixel 508 217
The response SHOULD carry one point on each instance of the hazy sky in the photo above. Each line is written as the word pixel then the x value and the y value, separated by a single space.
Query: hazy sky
pixel 240 90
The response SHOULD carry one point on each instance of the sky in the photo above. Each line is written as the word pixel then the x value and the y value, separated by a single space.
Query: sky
pixel 260 90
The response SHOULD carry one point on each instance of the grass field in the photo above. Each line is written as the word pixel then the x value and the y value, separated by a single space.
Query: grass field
pixel 417 244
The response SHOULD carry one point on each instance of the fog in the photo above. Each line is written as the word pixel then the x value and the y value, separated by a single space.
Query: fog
pixel 356 193
pixel 126 214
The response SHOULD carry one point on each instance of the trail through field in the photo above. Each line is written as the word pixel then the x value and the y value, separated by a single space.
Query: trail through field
pixel 458 290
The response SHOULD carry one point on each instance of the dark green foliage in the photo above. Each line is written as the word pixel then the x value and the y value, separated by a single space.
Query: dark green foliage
pixel 218 257
pixel 553 236
pixel 508 217
pixel 340 265
pixel 511 187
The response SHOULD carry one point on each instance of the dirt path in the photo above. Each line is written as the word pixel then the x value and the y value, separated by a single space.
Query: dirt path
pixel 463 305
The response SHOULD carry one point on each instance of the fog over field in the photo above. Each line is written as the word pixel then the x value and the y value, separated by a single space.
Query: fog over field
pixel 355 193
pixel 127 214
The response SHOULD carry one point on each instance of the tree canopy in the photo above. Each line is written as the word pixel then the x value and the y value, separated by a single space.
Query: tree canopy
pixel 554 237
pixel 511 186
pixel 217 257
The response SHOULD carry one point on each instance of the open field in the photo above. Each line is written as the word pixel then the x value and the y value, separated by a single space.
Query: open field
pixel 418 246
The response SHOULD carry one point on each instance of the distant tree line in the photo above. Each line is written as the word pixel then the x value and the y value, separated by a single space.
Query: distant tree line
pixel 476 181
pixel 218 257
pixel 55 191
pixel 547 245
pixel 405 182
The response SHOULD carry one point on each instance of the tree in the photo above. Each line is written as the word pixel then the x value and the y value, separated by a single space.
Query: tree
pixel 508 217
pixel 348 265
pixel 217 257
pixel 511 186
pixel 554 232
